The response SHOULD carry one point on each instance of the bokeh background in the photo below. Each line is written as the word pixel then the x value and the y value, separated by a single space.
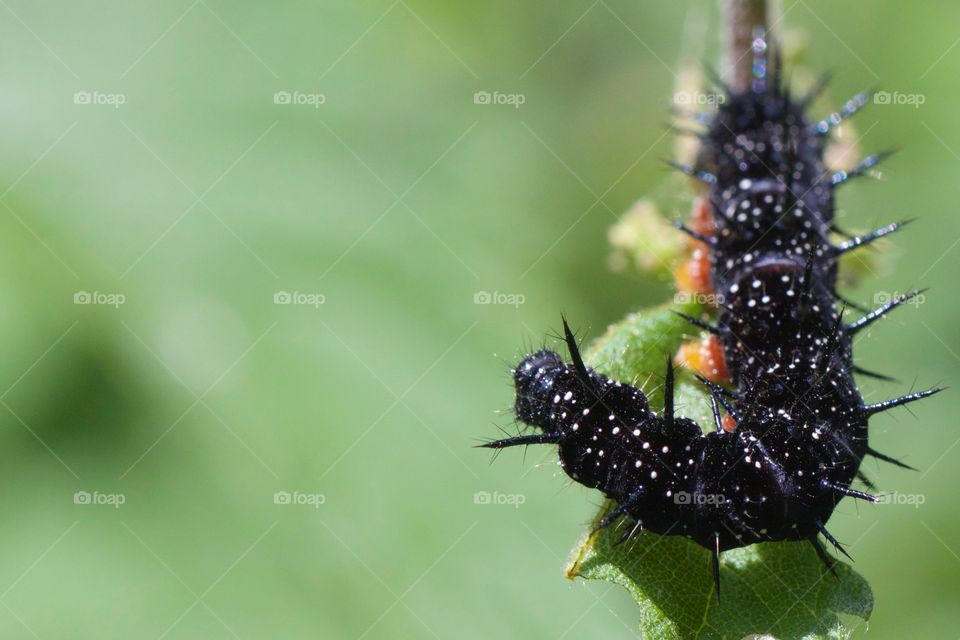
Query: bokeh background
pixel 159 201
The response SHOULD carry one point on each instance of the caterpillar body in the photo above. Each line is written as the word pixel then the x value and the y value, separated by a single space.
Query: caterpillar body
pixel 800 429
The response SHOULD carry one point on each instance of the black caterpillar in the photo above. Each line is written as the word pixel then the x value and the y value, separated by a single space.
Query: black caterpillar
pixel 801 424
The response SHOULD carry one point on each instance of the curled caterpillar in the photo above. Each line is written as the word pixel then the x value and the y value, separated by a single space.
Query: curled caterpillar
pixel 800 422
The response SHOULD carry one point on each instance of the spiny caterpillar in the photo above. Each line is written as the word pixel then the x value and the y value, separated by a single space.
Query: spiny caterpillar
pixel 796 425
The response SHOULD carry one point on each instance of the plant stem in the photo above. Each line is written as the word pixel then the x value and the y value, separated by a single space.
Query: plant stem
pixel 740 17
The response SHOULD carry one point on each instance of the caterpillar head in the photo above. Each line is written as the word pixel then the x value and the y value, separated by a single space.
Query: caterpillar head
pixel 533 378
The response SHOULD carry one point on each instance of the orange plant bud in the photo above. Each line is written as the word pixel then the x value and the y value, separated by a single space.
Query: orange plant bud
pixel 706 358
pixel 729 424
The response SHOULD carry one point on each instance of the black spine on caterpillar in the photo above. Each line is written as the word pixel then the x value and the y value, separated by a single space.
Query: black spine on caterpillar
pixel 801 424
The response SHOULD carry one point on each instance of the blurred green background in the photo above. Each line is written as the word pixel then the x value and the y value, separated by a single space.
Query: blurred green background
pixel 181 164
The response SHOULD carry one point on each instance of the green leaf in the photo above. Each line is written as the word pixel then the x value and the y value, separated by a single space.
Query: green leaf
pixel 780 589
